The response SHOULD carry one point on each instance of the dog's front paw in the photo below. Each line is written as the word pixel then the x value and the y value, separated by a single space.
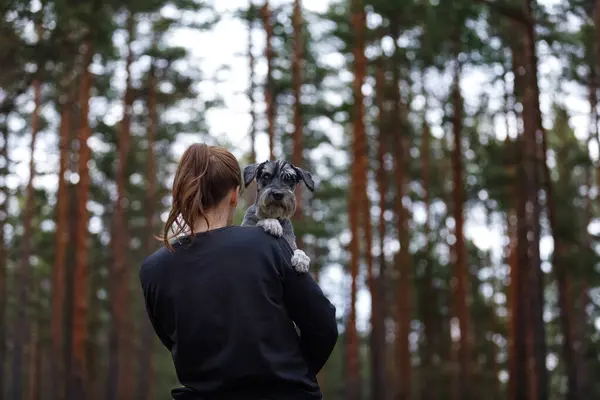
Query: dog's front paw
pixel 271 226
pixel 300 261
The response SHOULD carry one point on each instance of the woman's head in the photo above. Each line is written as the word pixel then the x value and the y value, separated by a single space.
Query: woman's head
pixel 206 186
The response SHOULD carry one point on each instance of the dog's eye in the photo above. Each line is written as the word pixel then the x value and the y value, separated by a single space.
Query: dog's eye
pixel 266 176
pixel 287 178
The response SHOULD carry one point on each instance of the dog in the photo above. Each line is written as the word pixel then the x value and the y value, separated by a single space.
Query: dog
pixel 275 202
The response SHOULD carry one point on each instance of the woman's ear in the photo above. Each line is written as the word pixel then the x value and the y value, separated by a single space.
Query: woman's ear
pixel 235 197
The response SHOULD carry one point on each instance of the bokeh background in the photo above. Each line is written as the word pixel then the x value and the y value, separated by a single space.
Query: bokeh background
pixel 455 148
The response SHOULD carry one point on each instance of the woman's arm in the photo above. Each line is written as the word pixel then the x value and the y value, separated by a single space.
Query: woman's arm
pixel 150 303
pixel 312 312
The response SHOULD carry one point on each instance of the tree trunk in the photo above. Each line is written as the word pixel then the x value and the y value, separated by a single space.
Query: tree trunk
pixel 297 137
pixel 428 299
pixel 511 249
pixel 270 86
pixel 62 240
pixel 378 347
pixel 251 89
pixel 461 271
pixel 354 384
pixel 519 258
pixel 146 355
pixel 121 280
pixel 565 301
pixel 403 259
pixel 22 323
pixel 3 256
pixel 597 24
pixel 536 159
pixel 513 304
pixel 79 365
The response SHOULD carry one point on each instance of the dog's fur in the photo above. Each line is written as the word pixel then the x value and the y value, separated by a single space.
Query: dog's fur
pixel 276 202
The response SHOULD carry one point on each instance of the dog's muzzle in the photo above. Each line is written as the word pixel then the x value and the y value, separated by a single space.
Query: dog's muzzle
pixel 273 203
pixel 277 195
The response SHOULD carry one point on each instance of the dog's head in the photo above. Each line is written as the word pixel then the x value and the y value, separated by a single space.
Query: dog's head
pixel 276 183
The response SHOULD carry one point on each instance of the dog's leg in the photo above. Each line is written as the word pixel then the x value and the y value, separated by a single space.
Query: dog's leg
pixel 270 225
pixel 250 218
pixel 300 261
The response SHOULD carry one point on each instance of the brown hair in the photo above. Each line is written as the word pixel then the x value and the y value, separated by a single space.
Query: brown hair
pixel 204 176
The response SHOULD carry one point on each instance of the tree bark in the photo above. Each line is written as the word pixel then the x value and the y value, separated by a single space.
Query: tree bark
pixel 354 384
pixel 297 138
pixel 403 259
pixel 120 309
pixel 146 356
pixel 519 258
pixel 536 159
pixel 79 364
pixel 251 89
pixel 428 299
pixel 62 240
pixel 597 44
pixel 461 271
pixel 94 325
pixel 23 276
pixel 378 345
pixel 270 86
pixel 3 257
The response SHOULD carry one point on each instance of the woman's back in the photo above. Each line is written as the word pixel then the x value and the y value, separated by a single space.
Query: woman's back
pixel 224 303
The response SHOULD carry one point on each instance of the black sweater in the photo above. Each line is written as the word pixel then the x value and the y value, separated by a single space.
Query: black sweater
pixel 223 305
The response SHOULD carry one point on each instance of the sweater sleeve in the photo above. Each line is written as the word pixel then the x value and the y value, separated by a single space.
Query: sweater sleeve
pixel 310 309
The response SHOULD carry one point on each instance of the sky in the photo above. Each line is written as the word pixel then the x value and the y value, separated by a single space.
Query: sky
pixel 226 44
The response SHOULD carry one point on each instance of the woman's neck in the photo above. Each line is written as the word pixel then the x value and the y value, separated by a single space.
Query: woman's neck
pixel 217 219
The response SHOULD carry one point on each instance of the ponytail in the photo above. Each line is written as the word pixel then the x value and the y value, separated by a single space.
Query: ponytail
pixel 204 176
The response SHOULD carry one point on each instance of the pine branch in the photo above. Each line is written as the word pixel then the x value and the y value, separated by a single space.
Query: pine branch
pixel 508 11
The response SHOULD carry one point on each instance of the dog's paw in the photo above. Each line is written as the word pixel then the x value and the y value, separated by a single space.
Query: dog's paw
pixel 271 226
pixel 300 261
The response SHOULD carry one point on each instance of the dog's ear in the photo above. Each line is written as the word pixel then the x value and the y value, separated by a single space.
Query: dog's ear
pixel 250 172
pixel 306 177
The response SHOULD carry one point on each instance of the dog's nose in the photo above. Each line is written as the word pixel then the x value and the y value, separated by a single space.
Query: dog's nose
pixel 278 195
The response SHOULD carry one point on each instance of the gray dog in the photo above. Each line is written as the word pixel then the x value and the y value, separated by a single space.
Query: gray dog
pixel 276 202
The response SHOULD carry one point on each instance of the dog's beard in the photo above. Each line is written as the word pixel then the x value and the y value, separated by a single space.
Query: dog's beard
pixel 267 207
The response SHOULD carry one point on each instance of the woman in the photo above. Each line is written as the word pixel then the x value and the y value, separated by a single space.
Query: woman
pixel 223 299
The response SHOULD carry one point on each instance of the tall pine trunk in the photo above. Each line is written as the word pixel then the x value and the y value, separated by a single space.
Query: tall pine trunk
pixel 251 88
pixel 23 320
pixel 297 136
pixel 62 240
pixel 461 270
pixel 361 146
pixel 121 280
pixel 353 376
pixel 428 298
pixel 3 256
pixel 536 160
pixel 94 323
pixel 596 17
pixel 79 365
pixel 377 337
pixel 146 352
pixel 520 260
pixel 270 85
pixel 403 259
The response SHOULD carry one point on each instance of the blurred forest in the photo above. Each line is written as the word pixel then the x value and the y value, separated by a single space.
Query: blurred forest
pixel 470 222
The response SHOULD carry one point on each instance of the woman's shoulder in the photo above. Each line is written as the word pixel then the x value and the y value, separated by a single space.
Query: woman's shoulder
pixel 256 237
pixel 153 263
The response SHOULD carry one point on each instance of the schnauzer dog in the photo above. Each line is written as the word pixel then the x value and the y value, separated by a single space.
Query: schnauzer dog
pixel 276 202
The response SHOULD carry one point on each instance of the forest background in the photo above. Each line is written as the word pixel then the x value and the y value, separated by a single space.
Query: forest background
pixel 455 149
